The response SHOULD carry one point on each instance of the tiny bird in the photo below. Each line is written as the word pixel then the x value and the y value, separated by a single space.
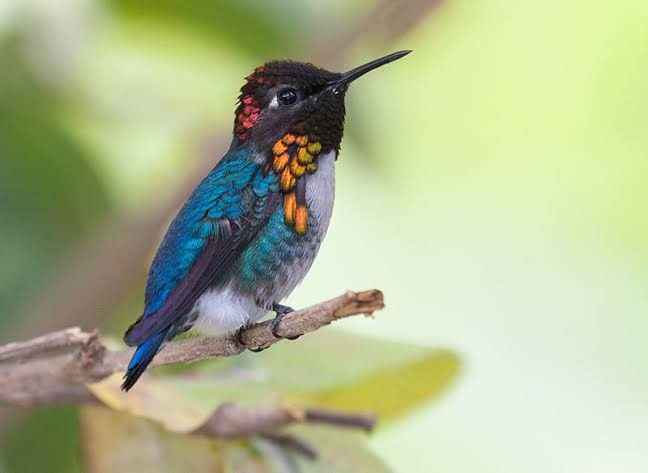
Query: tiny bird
pixel 249 232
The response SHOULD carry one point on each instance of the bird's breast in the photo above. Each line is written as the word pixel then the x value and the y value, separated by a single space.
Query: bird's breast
pixel 277 261
pixel 320 192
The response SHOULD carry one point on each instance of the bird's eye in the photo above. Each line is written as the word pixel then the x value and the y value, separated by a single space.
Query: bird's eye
pixel 287 96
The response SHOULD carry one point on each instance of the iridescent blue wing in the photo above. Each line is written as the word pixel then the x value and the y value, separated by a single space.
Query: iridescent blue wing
pixel 222 216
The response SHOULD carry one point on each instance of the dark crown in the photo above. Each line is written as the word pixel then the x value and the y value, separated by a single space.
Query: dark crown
pixel 323 117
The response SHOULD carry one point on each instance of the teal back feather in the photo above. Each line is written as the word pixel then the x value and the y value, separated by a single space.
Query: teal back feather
pixel 224 193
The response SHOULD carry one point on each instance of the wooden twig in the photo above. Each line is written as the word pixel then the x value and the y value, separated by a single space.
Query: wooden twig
pixel 62 339
pixel 340 419
pixel 54 368
pixel 232 421
pixel 292 444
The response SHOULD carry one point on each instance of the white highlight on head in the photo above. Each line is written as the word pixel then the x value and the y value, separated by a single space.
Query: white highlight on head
pixel 274 103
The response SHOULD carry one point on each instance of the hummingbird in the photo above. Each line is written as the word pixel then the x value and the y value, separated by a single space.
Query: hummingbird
pixel 250 231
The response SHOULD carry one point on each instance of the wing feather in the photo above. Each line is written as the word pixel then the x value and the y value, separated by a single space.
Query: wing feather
pixel 249 205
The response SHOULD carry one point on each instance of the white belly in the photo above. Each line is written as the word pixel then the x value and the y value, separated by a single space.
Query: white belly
pixel 225 310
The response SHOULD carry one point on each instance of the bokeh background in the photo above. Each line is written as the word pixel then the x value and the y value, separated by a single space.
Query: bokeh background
pixel 493 184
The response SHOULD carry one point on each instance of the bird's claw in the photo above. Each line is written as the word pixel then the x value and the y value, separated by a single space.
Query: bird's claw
pixel 239 340
pixel 280 310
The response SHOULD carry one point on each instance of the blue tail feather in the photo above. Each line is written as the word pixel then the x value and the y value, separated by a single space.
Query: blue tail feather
pixel 142 358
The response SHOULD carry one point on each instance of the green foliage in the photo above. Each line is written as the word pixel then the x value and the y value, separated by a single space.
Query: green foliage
pixel 253 28
pixel 45 441
pixel 341 371
pixel 338 452
pixel 325 369
pixel 50 197
pixel 115 442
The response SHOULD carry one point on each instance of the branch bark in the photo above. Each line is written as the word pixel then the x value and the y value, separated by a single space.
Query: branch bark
pixel 232 421
pixel 54 368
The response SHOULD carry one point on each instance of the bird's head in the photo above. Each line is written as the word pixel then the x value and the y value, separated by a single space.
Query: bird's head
pixel 296 102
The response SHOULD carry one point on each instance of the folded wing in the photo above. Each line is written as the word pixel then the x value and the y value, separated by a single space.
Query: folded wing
pixel 223 215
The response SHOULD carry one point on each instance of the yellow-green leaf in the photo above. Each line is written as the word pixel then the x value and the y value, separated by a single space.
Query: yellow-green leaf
pixel 114 442
pixel 338 451
pixel 391 393
pixel 328 369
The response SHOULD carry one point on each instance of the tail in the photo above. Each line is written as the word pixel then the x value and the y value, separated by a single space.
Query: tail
pixel 142 358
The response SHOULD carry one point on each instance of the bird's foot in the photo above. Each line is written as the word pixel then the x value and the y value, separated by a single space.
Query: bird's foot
pixel 280 310
pixel 239 340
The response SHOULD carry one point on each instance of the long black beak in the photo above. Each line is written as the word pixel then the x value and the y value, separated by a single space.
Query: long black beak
pixel 353 74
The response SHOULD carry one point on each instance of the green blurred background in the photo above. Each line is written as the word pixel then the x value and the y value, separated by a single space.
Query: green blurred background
pixel 493 184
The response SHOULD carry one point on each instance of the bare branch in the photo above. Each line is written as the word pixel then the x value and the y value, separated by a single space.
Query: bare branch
pixel 386 22
pixel 53 368
pixel 68 338
pixel 341 419
pixel 232 421
pixel 293 444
